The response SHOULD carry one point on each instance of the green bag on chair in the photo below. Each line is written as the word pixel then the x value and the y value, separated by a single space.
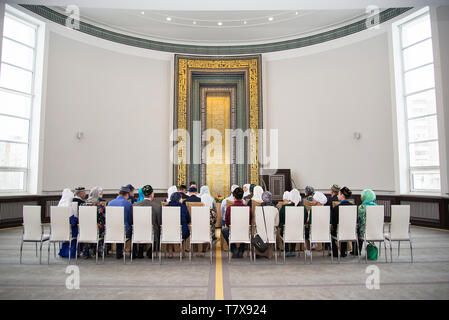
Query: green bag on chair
pixel 371 252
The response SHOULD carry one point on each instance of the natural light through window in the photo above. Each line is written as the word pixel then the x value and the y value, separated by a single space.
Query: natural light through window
pixel 417 70
pixel 16 96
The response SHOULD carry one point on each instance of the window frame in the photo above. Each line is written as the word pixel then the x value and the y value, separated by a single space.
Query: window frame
pixel 414 169
pixel 31 95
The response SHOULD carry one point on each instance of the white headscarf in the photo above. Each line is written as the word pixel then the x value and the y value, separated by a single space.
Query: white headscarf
pixel 66 200
pixel 286 196
pixel 206 198
pixel 246 193
pixel 257 194
pixel 320 197
pixel 94 195
pixel 170 191
pixel 295 196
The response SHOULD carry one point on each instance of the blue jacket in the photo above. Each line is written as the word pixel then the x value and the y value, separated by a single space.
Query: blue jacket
pixel 120 201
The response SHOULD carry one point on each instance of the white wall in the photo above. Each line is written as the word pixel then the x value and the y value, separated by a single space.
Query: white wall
pixel 440 31
pixel 318 101
pixel 121 104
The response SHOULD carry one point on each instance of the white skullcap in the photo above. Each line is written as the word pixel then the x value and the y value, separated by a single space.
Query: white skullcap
pixel 320 197
pixel 234 186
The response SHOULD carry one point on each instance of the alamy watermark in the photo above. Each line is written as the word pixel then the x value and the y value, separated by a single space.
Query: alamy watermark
pixel 73 280
pixel 373 280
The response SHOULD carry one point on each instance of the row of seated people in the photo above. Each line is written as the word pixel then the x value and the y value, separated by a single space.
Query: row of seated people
pixel 238 197
pixel 339 197
pixel 127 200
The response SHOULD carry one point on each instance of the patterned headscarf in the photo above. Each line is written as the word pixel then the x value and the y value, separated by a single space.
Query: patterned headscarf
pixel 94 195
pixel 267 198
pixel 309 191
pixel 140 195
pixel 368 197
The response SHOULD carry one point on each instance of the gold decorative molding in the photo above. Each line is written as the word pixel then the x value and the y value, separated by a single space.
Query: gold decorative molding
pixel 221 65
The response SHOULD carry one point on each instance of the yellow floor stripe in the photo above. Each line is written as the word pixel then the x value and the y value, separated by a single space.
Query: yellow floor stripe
pixel 218 270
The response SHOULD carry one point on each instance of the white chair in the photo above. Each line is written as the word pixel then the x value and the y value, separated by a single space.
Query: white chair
pixel 60 229
pixel 171 229
pixel 399 228
pixel 200 226
pixel 294 231
pixel 347 227
pixel 270 215
pixel 33 229
pixel 115 228
pixel 87 228
pixel 320 228
pixel 240 228
pixel 374 229
pixel 142 228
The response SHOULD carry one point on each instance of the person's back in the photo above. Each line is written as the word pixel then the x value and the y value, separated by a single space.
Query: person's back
pixel 122 201
pixel 156 217
pixel 238 202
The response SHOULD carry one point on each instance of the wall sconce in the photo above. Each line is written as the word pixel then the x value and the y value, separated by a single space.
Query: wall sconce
pixel 79 135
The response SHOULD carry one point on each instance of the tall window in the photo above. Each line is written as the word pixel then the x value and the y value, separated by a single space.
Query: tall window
pixel 16 96
pixel 420 103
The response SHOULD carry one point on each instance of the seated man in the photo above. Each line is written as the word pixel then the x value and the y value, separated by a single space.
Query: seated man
pixel 182 189
pixel 122 201
pixel 238 202
pixel 156 216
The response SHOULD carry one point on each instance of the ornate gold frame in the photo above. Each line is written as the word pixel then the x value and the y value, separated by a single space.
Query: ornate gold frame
pixel 219 64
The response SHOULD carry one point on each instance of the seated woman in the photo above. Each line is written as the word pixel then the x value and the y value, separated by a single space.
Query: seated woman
pixel 66 201
pixel 308 197
pixel 343 196
pixel 175 201
pixel 368 198
pixel 94 200
pixel 286 197
pixel 318 199
pixel 268 202
pixel 209 202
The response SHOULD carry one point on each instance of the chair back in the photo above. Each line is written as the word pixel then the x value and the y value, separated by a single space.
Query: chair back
pixel 143 224
pixel 400 222
pixel 193 204
pixel 75 208
pixel 347 222
pixel 320 226
pixel 200 224
pixel 239 224
pixel 270 214
pixel 171 224
pixel 374 229
pixel 60 223
pixel 115 224
pixel 294 224
pixel 87 223
pixel 32 229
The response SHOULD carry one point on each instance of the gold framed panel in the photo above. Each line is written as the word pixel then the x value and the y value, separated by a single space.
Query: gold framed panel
pixel 183 69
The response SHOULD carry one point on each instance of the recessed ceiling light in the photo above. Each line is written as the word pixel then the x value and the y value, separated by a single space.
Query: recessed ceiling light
pixel 296 12
pixel 244 22
pixel 142 12
pixel 168 19
pixel 270 18
pixel 219 23
pixel 194 22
